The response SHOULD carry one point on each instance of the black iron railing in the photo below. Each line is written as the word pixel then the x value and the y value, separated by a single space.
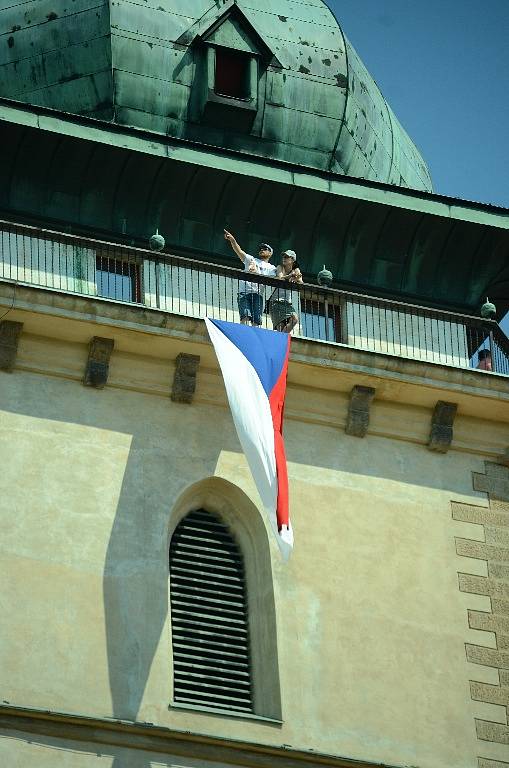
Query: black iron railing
pixel 188 287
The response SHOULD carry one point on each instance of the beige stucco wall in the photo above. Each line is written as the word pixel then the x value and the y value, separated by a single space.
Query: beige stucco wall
pixel 371 623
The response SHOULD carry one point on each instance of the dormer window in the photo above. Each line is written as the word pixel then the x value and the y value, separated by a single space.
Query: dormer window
pixel 230 96
pixel 232 74
pixel 231 62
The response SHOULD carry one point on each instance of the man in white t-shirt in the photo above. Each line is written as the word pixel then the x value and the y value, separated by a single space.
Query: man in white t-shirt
pixel 251 298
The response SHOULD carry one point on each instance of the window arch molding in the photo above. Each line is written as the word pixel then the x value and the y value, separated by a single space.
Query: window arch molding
pixel 237 511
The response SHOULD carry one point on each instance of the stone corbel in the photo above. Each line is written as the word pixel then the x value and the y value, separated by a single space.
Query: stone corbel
pixel 10 332
pixel 442 422
pixel 98 363
pixel 184 379
pixel 358 410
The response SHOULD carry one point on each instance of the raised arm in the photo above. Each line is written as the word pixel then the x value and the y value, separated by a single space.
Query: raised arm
pixel 235 246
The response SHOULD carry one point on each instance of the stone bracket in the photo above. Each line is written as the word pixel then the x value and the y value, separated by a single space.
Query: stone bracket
pixel 98 363
pixel 10 332
pixel 442 421
pixel 358 410
pixel 184 379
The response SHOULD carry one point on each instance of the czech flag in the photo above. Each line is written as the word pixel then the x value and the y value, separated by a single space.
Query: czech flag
pixel 254 364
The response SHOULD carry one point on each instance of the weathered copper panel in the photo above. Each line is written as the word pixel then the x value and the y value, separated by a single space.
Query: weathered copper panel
pixel 144 64
pixel 58 55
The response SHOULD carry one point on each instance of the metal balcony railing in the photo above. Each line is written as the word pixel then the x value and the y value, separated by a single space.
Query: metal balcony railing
pixel 183 286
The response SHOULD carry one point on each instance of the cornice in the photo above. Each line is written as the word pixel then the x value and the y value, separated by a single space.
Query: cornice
pixel 57 329
pixel 152 738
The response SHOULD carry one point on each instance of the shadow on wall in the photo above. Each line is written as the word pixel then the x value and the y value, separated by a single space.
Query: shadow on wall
pixel 90 465
pixel 135 583
pixel 154 478
pixel 118 456
pixel 135 595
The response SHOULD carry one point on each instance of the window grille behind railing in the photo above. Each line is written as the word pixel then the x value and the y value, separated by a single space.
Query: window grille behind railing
pixel 209 619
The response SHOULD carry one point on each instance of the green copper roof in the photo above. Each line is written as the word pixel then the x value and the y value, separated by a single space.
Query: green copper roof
pixel 147 64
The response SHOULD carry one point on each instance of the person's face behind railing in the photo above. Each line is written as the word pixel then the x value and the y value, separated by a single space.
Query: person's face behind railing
pixel 485 362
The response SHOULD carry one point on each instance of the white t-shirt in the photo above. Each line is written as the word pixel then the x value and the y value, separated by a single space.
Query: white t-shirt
pixel 262 268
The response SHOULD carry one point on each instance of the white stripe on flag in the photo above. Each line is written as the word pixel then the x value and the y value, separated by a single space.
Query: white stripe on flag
pixel 250 409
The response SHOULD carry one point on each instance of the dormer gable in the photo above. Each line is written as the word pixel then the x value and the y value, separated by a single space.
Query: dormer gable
pixel 231 61
pixel 230 28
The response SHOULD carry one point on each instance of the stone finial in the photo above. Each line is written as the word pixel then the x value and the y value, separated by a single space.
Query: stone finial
pixel 358 410
pixel 488 310
pixel 10 332
pixel 184 379
pixel 441 434
pixel 324 277
pixel 157 241
pixel 98 363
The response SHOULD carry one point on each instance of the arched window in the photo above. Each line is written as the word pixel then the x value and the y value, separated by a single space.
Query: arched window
pixel 209 619
pixel 222 603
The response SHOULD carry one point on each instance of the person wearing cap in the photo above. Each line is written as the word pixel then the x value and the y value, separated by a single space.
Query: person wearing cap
pixel 251 297
pixel 282 312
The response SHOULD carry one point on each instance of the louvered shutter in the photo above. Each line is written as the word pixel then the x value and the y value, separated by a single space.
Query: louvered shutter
pixel 209 616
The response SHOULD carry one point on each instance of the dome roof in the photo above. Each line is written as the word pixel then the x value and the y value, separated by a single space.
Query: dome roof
pixel 270 78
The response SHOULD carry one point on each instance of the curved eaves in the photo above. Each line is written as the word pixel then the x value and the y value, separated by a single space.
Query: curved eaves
pixel 370 247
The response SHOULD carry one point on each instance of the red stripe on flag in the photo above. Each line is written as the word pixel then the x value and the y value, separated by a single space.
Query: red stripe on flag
pixel 277 407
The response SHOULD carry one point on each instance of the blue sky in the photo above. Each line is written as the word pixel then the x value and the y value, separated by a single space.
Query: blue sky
pixel 443 66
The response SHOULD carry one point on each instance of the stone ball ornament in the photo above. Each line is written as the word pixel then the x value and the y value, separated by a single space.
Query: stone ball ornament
pixel 324 277
pixel 157 242
pixel 488 310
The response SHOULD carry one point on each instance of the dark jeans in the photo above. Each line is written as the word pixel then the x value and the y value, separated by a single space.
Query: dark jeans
pixel 251 307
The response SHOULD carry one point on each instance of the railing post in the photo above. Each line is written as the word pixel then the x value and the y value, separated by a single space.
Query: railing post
pixel 343 320
pixel 157 271
pixel 492 351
